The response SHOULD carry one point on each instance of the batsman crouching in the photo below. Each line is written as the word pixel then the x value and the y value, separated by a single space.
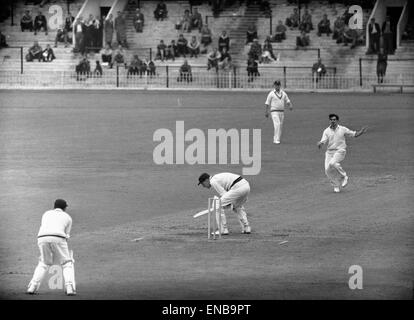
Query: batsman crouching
pixel 52 242
pixel 233 191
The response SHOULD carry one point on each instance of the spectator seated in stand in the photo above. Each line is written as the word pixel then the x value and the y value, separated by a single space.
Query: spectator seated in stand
pixel 185 72
pixel 134 67
pixel 224 62
pixel 302 41
pixel 348 36
pixel 267 52
pixel 252 69
pixel 35 53
pixel 3 42
pixel 223 42
pixel 318 70
pixel 26 23
pixel 185 24
pixel 48 54
pixel 280 32
pixel 98 70
pixel 196 20
pixel 160 12
pixel 139 20
pixel 119 57
pixel 161 51
pixel 324 26
pixel 150 67
pixel 182 45
pixel 193 47
pixel 62 35
pixel 255 51
pixel 338 28
pixel 171 52
pixel 40 23
pixel 293 20
pixel 206 37
pixel 306 23
pixel 251 33
pixel 83 68
pixel 213 58
pixel 106 55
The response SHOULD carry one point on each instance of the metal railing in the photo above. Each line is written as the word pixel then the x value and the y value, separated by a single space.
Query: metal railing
pixel 200 79
pixel 362 76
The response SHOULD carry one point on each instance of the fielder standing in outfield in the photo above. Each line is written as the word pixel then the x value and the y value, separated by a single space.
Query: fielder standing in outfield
pixel 233 191
pixel 334 138
pixel 52 242
pixel 276 101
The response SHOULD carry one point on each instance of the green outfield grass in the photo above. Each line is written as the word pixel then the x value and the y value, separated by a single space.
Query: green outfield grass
pixel 95 149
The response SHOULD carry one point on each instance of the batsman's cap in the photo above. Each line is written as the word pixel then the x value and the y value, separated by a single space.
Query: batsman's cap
pixel 61 204
pixel 277 83
pixel 202 178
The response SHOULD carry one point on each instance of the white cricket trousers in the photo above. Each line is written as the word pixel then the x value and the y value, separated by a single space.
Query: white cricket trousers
pixel 333 169
pixel 54 251
pixel 237 197
pixel 277 118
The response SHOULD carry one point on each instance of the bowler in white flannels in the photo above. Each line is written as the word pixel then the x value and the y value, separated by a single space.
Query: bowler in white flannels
pixel 233 191
pixel 334 138
pixel 52 242
pixel 275 104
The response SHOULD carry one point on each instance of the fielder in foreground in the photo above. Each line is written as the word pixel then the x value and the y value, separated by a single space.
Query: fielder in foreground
pixel 233 191
pixel 52 242
pixel 334 137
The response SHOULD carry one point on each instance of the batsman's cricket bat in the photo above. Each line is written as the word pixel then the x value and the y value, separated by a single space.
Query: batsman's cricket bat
pixel 202 213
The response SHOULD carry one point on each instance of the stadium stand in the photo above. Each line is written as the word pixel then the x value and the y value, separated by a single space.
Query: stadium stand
pixel 10 58
pixel 235 19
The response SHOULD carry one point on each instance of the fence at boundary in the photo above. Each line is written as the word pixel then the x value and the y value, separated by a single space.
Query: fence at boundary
pixel 199 80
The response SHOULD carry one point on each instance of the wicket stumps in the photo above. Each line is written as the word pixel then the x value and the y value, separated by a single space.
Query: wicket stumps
pixel 214 206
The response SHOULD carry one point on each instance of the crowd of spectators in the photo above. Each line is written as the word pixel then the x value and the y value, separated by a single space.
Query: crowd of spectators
pixel 36 52
pixel 89 34
pixel 190 21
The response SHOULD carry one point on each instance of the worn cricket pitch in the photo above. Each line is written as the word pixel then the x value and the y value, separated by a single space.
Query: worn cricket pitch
pixel 134 235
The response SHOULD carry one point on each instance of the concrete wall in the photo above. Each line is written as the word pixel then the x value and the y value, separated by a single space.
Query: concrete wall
pixel 403 22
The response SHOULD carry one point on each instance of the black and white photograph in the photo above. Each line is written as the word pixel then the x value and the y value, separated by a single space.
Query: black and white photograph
pixel 231 151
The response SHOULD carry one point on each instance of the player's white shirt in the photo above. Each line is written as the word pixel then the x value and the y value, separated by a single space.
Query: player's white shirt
pixel 221 182
pixel 55 222
pixel 335 139
pixel 277 101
